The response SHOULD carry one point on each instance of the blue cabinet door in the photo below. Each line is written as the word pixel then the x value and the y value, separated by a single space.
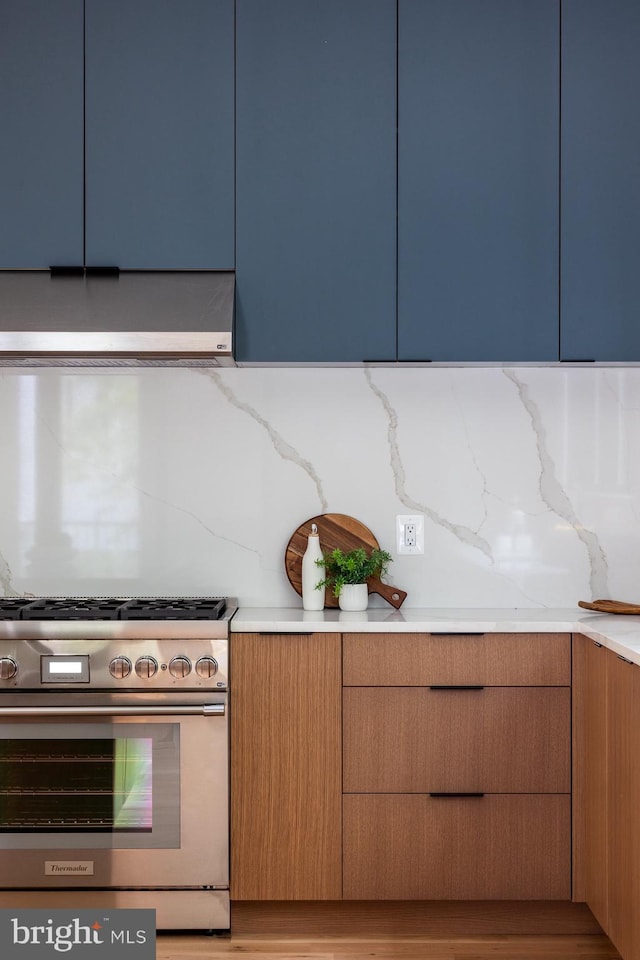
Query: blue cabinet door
pixel 600 238
pixel 159 133
pixel 316 149
pixel 478 158
pixel 41 54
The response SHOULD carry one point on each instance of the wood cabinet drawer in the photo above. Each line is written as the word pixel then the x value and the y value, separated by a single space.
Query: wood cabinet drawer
pixel 495 740
pixel 492 659
pixel 496 847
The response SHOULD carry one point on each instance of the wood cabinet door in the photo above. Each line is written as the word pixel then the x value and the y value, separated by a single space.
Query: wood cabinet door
pixel 286 792
pixel 478 158
pixel 496 847
pixel 623 743
pixel 596 868
pixel 493 740
pixel 609 777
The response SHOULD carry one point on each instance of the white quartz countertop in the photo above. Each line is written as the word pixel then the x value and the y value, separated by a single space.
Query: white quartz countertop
pixel 619 632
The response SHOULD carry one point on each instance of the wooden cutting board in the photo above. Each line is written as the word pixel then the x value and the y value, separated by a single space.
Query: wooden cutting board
pixel 336 531
pixel 610 606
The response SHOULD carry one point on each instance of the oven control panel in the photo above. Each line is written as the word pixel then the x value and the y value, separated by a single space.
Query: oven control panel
pixel 133 664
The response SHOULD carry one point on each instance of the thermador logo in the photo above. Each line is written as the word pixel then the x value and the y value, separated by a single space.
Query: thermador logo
pixel 81 867
pixel 31 934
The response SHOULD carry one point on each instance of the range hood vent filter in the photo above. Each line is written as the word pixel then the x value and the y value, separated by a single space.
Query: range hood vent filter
pixel 131 318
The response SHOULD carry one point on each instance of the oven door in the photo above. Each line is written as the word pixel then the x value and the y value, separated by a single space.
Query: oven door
pixel 113 795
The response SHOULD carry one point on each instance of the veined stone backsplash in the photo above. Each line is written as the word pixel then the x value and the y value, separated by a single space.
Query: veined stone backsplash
pixel 155 481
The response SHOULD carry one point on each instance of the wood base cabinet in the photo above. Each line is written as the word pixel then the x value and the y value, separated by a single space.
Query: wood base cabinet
pixel 400 767
pixel 608 775
pixel 457 767
pixel 492 847
pixel 594 772
pixel 286 836
pixel 623 767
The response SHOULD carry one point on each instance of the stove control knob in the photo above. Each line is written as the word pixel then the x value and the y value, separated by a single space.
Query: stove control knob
pixel 146 667
pixel 8 668
pixel 120 667
pixel 179 667
pixel 206 667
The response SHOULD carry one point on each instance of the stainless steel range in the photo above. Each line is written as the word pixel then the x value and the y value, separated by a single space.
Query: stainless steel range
pixel 114 755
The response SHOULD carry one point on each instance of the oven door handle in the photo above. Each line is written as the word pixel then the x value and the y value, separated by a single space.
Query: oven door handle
pixel 165 710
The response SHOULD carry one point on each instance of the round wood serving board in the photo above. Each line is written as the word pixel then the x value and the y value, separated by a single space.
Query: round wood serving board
pixel 611 606
pixel 336 531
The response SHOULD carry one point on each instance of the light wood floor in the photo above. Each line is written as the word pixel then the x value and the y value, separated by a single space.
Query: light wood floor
pixel 179 947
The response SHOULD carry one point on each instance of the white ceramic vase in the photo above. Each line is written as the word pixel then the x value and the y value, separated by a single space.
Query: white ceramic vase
pixel 354 596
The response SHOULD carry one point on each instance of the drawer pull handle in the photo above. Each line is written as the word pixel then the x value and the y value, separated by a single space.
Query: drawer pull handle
pixel 468 795
pixel 80 271
pixel 455 633
pixel 455 686
pixel 624 659
pixel 66 271
pixel 102 271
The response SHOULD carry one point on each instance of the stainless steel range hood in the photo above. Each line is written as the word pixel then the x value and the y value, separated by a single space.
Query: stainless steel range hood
pixel 110 318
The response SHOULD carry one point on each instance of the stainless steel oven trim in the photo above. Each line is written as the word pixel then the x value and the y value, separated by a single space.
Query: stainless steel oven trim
pixel 117 629
pixel 208 709
pixel 186 909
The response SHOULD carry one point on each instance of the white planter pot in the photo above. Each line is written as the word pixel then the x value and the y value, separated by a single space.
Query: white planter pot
pixel 354 596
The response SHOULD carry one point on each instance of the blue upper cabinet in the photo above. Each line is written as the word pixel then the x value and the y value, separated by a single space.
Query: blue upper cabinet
pixel 118 133
pixel 600 180
pixel 316 180
pixel 159 134
pixel 41 56
pixel 478 149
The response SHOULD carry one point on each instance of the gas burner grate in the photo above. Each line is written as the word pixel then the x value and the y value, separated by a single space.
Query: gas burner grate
pixel 72 608
pixel 174 608
pixel 112 608
pixel 11 607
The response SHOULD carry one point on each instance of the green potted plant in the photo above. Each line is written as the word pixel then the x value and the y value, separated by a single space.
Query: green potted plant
pixel 348 573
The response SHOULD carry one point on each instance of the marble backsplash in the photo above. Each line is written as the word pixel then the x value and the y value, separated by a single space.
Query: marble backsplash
pixel 156 481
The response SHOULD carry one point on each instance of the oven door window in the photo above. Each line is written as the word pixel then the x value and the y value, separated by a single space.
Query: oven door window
pixel 109 785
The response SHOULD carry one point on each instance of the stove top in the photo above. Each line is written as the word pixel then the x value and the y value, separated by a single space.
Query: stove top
pixel 112 608
pixel 156 644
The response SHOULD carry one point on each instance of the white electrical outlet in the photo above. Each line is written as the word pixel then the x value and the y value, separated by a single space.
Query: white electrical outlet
pixel 410 534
